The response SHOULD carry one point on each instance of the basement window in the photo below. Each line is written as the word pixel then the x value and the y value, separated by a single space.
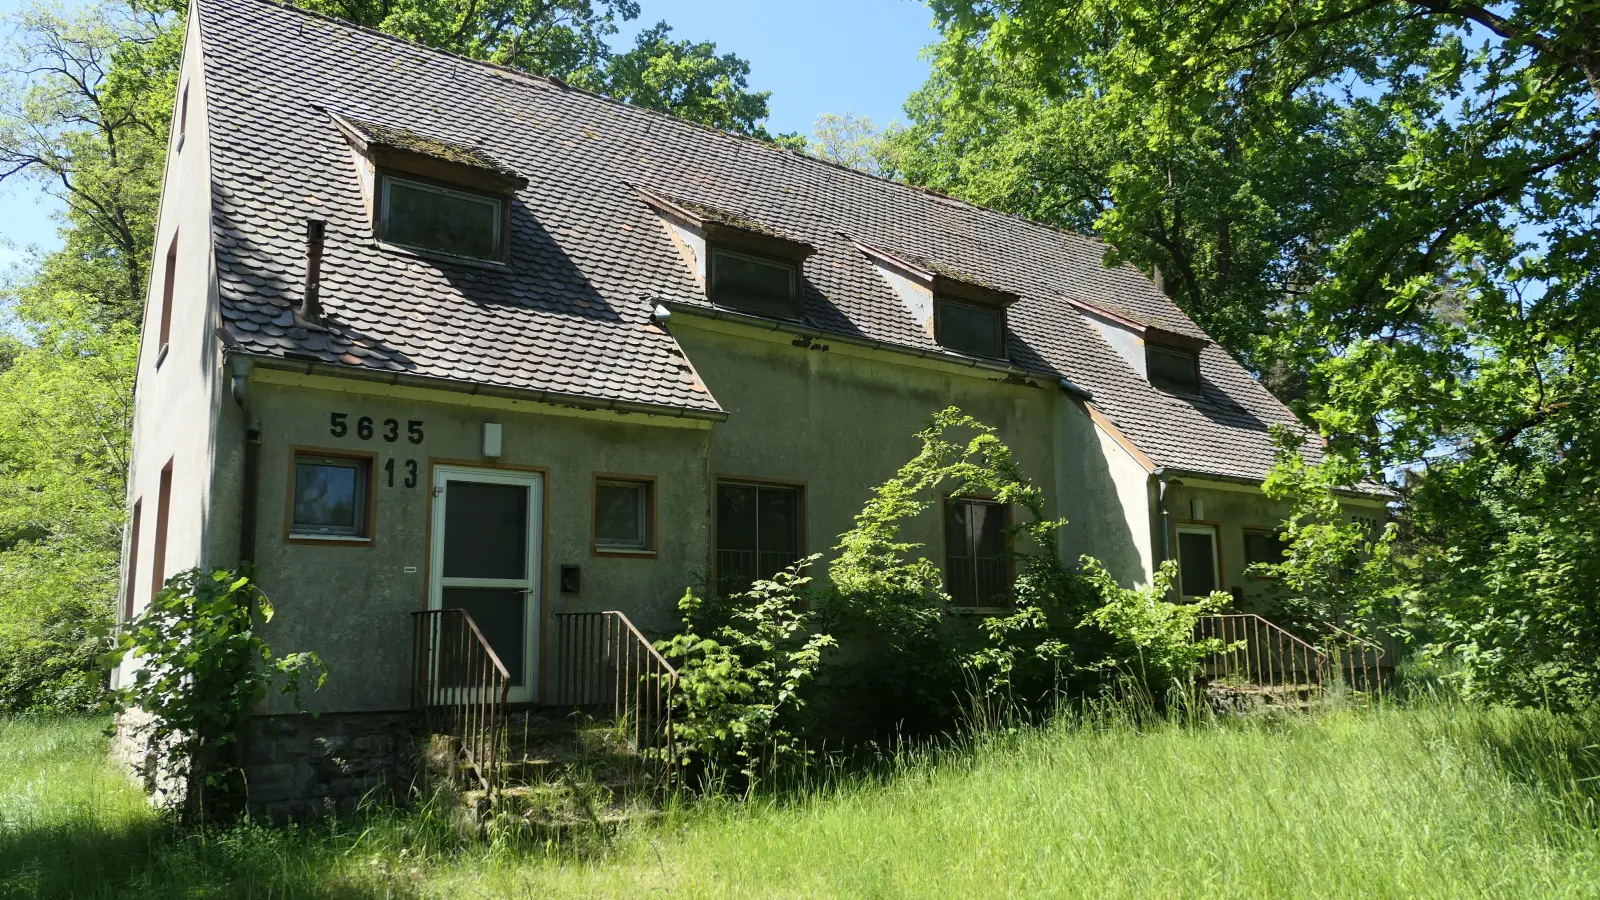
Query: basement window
pixel 1173 370
pixel 438 219
pixel 753 284
pixel 331 497
pixel 969 328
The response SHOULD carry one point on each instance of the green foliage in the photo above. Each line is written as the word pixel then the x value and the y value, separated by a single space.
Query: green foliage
pixel 686 79
pixel 200 667
pixel 84 110
pixel 907 658
pixel 849 140
pixel 1153 637
pixel 66 404
pixel 1334 570
pixel 567 39
pixel 743 668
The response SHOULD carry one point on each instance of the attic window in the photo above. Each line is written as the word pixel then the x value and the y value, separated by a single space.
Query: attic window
pixel 764 287
pixel 432 194
pixel 1172 369
pixel 969 328
pixel 429 217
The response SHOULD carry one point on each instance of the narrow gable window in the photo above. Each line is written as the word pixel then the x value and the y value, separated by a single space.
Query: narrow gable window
pixel 969 328
pixel 133 561
pixel 1172 369
pixel 752 284
pixel 439 219
pixel 169 283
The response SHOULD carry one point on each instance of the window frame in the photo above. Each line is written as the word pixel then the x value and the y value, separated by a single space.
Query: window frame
pixel 803 534
pixel 942 300
pixel 169 284
pixel 132 578
pixel 380 216
pixel 715 250
pixel 946 502
pixel 158 551
pixel 1245 531
pixel 1193 356
pixel 368 531
pixel 648 483
pixel 1193 526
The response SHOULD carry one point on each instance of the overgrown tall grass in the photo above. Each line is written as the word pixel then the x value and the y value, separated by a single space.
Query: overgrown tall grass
pixel 1435 800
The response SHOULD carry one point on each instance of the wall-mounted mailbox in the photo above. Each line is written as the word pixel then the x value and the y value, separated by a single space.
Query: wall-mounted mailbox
pixel 571 577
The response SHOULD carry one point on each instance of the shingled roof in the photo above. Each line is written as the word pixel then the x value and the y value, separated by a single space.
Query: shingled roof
pixel 589 260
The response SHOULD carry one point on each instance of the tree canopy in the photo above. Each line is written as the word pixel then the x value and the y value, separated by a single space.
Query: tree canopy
pixel 1386 207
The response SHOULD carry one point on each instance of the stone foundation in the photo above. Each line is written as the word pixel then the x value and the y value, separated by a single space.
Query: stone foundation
pixel 299 767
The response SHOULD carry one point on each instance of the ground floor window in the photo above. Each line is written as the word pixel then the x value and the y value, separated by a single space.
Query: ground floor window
pixel 975 567
pixel 1197 560
pixel 759 532
pixel 1263 546
pixel 624 515
pixel 331 496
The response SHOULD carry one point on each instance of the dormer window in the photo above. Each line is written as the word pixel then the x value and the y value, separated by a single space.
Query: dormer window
pixel 764 287
pixel 439 219
pixel 745 265
pixel 1173 369
pixel 431 195
pixel 969 328
pixel 958 311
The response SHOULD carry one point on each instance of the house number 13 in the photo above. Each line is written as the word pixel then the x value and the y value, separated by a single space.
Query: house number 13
pixel 411 472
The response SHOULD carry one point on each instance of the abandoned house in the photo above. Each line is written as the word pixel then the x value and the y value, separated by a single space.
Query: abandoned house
pixel 426 333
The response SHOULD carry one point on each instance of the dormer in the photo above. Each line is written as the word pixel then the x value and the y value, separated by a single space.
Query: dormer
pixel 431 195
pixel 957 311
pixel 1169 360
pixel 742 264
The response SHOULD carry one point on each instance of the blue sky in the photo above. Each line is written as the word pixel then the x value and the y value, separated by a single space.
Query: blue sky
pixel 815 56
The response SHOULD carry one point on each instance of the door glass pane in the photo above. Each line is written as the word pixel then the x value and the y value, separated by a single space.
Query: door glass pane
pixel 777 530
pixel 1197 563
pixel 754 285
pixel 989 536
pixel 619 515
pixel 501 614
pixel 736 535
pixel 433 218
pixel 959 566
pixel 485 530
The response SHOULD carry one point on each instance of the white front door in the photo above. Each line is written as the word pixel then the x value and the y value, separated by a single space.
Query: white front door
pixel 487 525
pixel 1198 570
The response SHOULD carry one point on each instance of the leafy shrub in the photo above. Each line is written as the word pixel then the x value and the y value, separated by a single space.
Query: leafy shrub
pixel 1153 637
pixel 201 668
pixel 1333 571
pixel 743 666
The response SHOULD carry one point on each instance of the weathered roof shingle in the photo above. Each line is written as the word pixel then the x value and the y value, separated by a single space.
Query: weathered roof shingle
pixel 589 259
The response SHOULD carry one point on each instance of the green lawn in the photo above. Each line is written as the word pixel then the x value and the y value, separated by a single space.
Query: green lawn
pixel 1431 801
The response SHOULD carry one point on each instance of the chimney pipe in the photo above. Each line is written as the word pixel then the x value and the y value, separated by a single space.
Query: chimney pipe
pixel 310 299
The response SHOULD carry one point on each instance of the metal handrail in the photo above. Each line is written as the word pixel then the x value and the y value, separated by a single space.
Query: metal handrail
pixel 460 686
pixel 1258 651
pixel 1370 677
pixel 602 659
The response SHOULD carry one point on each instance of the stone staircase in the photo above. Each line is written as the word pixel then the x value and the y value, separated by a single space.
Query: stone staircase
pixel 563 774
